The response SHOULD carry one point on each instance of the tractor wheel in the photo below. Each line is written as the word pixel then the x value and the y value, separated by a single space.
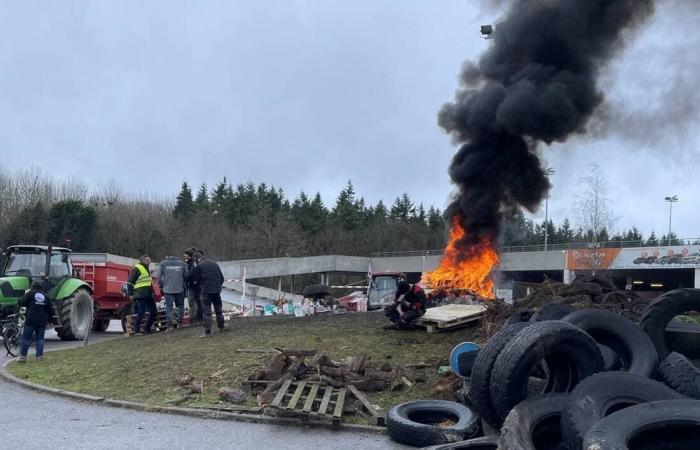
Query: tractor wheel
pixel 100 325
pixel 76 316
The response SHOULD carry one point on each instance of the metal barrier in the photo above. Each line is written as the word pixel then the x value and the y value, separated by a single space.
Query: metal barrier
pixel 550 247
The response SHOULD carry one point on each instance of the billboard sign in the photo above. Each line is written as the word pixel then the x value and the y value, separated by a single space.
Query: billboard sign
pixel 673 257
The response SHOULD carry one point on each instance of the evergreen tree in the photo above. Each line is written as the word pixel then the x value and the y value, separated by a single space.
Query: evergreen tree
pixel 380 213
pixel 184 204
pixel 219 197
pixel 347 211
pixel 652 241
pixel 201 202
pixel 565 233
pixel 435 220
pixel 402 209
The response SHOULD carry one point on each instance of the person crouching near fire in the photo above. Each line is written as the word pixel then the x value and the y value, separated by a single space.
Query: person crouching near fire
pixel 409 304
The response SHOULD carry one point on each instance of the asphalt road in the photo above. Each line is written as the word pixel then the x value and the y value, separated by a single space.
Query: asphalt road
pixel 31 420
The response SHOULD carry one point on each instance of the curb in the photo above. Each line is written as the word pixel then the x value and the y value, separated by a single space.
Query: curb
pixel 191 412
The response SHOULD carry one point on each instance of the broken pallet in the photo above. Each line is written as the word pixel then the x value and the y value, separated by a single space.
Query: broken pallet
pixel 306 400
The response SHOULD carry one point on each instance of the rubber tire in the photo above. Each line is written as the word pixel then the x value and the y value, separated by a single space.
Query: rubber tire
pixel 73 328
pixel 316 290
pixel 404 430
pixel 12 339
pixel 552 311
pixel 611 362
pixel 681 374
pixel 624 337
pixel 482 443
pixel 533 417
pixel 571 354
pixel 100 325
pixel 660 312
pixel 684 338
pixel 615 431
pixel 594 397
pixel 520 315
pixel 480 380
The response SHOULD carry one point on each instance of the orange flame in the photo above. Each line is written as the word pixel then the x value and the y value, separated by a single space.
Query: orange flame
pixel 459 271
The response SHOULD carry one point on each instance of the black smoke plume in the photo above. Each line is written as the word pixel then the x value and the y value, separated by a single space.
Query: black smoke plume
pixel 536 83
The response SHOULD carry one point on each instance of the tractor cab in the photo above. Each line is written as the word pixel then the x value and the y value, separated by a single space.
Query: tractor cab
pixel 72 301
pixel 32 262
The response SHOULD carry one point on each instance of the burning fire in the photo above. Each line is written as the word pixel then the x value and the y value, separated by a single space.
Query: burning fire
pixel 470 271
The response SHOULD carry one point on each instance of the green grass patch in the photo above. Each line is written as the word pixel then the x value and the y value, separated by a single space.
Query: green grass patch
pixel 146 368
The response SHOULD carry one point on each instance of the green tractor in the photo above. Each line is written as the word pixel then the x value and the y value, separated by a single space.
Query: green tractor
pixel 72 297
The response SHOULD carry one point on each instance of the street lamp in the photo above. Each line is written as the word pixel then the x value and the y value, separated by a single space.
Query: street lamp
pixel 671 201
pixel 549 171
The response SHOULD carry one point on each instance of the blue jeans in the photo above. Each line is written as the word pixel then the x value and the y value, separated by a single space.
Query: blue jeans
pixel 179 300
pixel 143 304
pixel 28 332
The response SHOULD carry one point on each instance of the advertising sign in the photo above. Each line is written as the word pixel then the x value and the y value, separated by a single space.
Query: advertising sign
pixel 673 257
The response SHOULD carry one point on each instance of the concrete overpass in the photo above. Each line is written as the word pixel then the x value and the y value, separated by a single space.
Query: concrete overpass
pixel 635 262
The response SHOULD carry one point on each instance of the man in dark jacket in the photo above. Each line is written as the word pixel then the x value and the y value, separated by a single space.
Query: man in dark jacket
pixel 171 277
pixel 209 277
pixel 39 313
pixel 409 305
pixel 144 295
pixel 193 300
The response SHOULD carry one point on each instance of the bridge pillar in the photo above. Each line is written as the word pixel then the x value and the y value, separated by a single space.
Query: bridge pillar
pixel 697 278
pixel 569 276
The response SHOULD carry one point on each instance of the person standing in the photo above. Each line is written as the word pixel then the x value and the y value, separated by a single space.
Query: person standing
pixel 193 296
pixel 144 296
pixel 39 312
pixel 210 279
pixel 171 277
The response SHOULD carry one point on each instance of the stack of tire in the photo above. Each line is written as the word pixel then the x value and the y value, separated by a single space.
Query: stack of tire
pixel 569 380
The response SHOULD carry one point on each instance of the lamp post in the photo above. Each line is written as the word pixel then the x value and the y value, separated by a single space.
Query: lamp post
pixel 671 200
pixel 549 171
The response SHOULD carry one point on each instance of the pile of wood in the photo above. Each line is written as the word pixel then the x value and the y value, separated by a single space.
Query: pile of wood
pixel 358 371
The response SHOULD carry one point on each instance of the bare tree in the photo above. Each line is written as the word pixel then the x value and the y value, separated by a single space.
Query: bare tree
pixel 592 206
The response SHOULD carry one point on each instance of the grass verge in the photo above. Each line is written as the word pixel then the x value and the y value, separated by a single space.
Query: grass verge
pixel 146 368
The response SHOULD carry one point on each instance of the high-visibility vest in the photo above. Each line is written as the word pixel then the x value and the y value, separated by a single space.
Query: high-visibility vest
pixel 144 280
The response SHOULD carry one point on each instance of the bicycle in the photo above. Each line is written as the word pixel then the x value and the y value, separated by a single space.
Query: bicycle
pixel 12 333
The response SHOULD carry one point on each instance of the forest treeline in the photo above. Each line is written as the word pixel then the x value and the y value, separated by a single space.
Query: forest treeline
pixel 240 221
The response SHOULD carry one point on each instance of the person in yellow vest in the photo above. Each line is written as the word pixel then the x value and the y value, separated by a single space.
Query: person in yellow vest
pixel 144 296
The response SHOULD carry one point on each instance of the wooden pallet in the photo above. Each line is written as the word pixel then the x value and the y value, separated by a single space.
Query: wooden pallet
pixel 160 324
pixel 308 400
pixel 448 317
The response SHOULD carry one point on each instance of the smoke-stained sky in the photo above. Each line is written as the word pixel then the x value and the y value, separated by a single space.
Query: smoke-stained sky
pixel 307 95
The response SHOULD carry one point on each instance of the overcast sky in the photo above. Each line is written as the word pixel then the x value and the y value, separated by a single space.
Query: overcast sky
pixel 309 94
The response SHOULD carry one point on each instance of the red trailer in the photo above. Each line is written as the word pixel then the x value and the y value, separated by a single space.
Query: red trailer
pixel 106 273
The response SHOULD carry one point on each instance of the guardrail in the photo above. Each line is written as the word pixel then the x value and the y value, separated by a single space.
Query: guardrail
pixel 550 247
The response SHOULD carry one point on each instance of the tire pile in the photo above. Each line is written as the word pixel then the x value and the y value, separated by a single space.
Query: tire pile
pixel 569 380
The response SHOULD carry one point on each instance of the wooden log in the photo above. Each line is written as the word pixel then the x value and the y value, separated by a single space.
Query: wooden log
pixel 359 363
pixel 378 416
pixel 297 352
pixel 381 375
pixel 368 385
pixel 327 380
pixel 274 366
pixel 276 385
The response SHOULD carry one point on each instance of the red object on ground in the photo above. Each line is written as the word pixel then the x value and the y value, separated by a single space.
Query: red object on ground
pixel 106 273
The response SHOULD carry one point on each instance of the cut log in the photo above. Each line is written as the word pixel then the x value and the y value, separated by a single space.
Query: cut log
pixel 274 366
pixel 297 352
pixel 370 385
pixel 196 387
pixel 276 385
pixel 359 363
pixel 381 375
pixel 232 395
pixel 326 380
